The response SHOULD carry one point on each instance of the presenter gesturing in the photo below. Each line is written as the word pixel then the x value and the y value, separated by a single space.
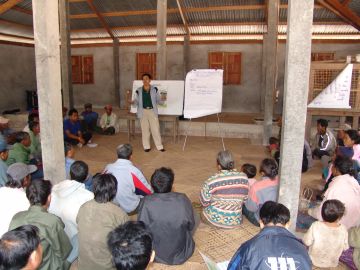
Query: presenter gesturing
pixel 146 99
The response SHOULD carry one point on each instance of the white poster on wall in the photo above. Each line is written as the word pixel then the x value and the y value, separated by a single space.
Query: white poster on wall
pixel 337 93
pixel 203 92
pixel 171 91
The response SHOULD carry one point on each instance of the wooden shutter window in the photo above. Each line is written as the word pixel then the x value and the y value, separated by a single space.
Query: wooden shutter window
pixel 88 70
pixel 82 69
pixel 230 62
pixel 145 63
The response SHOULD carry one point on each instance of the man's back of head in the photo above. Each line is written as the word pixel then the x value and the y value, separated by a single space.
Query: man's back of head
pixel 79 171
pixel 131 246
pixel 274 214
pixel 124 151
pixel 20 249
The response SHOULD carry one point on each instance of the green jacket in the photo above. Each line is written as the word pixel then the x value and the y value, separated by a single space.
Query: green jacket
pixel 35 147
pixel 354 241
pixel 19 153
pixel 54 241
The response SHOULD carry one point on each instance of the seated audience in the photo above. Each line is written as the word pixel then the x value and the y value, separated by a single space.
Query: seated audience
pixel 354 241
pixel 12 196
pixel 344 188
pixel 69 155
pixel 54 241
pixel 262 191
pixel 5 131
pixel 341 133
pixel 35 146
pixel 4 153
pixel 66 199
pixel 327 239
pixel 250 171
pixel 325 142
pixel 90 117
pixel 274 247
pixel 132 185
pixel 96 218
pixel 79 171
pixel 223 194
pixel 32 117
pixel 21 150
pixel 108 121
pixel 72 130
pixel 170 218
pixel 131 246
pixel 20 249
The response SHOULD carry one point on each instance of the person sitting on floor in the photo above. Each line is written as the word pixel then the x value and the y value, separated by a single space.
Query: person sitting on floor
pixel 327 239
pixel 12 196
pixel 90 117
pixel 4 153
pixel 96 218
pixel 274 247
pixel 223 194
pixel 66 199
pixel 264 190
pixel 54 241
pixel 32 117
pixel 69 158
pixel 108 121
pixel 345 188
pixel 21 150
pixel 72 130
pixel 79 171
pixel 35 146
pixel 250 171
pixel 6 132
pixel 169 215
pixel 131 183
pixel 20 248
pixel 325 142
pixel 131 246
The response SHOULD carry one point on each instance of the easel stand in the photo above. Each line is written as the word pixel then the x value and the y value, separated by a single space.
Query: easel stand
pixel 219 132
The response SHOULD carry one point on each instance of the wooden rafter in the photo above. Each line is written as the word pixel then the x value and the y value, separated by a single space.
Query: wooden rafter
pixel 183 18
pixel 100 17
pixel 342 11
pixel 8 5
pixel 22 10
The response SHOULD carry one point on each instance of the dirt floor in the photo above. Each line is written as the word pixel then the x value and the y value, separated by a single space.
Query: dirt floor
pixel 192 167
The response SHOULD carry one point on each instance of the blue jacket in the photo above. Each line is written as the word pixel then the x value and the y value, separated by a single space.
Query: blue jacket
pixel 273 248
pixel 155 99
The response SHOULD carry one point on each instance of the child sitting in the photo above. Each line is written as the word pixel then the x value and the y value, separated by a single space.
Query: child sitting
pixel 327 239
pixel 250 171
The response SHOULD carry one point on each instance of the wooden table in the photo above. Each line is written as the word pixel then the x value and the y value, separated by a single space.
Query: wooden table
pixel 131 118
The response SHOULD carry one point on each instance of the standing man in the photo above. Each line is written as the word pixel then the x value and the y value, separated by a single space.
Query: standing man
pixel 146 99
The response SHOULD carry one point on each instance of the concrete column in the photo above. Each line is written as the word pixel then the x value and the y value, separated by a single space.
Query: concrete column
pixel 67 88
pixel 271 52
pixel 116 55
pixel 161 40
pixel 297 71
pixel 186 54
pixel 48 78
pixel 263 74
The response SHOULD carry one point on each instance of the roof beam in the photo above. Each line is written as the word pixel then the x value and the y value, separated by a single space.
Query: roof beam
pixel 342 11
pixel 100 17
pixel 183 18
pixel 8 5
pixel 22 10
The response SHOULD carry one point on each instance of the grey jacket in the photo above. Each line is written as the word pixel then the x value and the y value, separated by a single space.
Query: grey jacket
pixel 328 142
pixel 155 99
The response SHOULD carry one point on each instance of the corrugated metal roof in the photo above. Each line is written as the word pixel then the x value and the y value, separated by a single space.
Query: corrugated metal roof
pixel 121 5
pixel 85 23
pixel 354 5
pixel 17 30
pixel 320 15
pixel 79 8
pixel 326 29
pixel 226 16
pixel 16 17
pixel 228 29
pixel 210 3
pixel 26 4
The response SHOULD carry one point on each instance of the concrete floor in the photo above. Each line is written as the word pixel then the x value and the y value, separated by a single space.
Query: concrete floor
pixel 192 167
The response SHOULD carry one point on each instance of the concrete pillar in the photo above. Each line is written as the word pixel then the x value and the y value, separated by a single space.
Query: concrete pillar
pixel 271 52
pixel 161 40
pixel 297 71
pixel 116 55
pixel 263 74
pixel 65 52
pixel 48 78
pixel 186 54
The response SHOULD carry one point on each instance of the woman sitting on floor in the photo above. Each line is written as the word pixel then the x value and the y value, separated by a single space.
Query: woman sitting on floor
pixel 224 193
pixel 262 191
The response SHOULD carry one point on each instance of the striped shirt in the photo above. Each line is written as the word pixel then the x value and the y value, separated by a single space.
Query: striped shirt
pixel 222 197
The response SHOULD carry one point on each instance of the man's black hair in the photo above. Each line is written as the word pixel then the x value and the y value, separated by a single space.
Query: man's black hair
pixel 20 136
pixel 275 213
pixel 17 245
pixel 249 170
pixel 353 135
pixel 332 210
pixel 33 124
pixel 124 151
pixel 79 171
pixel 344 165
pixel 269 168
pixel 72 111
pixel 32 116
pixel 104 187
pixel 162 180
pixel 146 74
pixel 130 246
pixel 38 191
pixel 323 122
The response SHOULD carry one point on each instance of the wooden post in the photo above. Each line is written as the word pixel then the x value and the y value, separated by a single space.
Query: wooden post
pixel 116 55
pixel 161 39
